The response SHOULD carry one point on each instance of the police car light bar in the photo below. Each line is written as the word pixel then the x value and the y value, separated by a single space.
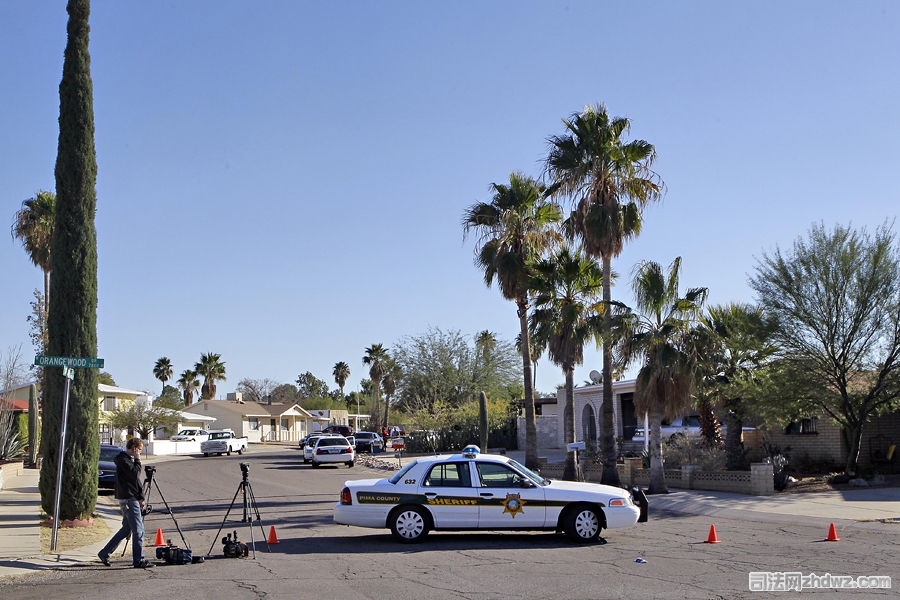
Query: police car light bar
pixel 471 451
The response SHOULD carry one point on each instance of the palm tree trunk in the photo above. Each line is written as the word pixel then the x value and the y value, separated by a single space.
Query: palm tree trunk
pixel 657 471
pixel 46 302
pixel 530 423
pixel 569 472
pixel 608 450
pixel 376 405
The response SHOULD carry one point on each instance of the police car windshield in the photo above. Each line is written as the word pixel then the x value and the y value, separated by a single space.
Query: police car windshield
pixel 529 473
pixel 398 476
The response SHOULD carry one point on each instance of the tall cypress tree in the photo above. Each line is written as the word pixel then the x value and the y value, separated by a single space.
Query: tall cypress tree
pixel 72 321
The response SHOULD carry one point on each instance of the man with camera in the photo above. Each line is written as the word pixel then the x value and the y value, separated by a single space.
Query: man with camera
pixel 130 494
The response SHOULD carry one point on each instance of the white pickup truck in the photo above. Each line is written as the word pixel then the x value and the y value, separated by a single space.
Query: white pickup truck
pixel 223 441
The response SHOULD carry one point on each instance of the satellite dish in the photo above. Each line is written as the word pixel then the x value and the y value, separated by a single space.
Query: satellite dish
pixel 595 376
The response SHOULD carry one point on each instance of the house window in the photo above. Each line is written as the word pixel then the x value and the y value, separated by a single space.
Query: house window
pixel 802 427
pixel 109 403
pixel 105 433
pixel 254 423
pixel 284 425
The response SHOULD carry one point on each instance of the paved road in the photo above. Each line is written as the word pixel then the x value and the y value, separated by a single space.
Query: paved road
pixel 317 558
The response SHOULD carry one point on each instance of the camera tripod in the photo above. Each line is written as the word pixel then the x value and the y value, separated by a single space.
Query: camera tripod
pixel 149 481
pixel 249 502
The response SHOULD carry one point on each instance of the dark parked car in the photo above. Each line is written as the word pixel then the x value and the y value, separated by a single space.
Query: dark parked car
pixel 343 430
pixel 369 441
pixel 108 454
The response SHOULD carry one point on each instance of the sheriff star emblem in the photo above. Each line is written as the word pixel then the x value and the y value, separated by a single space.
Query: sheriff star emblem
pixel 513 505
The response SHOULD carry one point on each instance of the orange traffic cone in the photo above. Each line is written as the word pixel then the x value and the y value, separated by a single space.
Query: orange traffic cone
pixel 273 539
pixel 832 534
pixel 713 538
pixel 159 538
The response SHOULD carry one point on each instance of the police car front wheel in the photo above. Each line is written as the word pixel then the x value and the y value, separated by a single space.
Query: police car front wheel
pixel 583 524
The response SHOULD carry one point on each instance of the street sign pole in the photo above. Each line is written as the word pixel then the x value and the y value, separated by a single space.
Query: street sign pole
pixel 68 364
pixel 69 374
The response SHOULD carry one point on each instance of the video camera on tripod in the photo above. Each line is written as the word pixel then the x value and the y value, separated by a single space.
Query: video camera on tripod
pixel 231 546
pixel 173 555
pixel 149 471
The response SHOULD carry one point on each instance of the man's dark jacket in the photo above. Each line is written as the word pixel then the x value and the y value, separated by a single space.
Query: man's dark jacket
pixel 128 472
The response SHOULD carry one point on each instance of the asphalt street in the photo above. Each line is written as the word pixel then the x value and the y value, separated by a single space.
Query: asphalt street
pixel 314 557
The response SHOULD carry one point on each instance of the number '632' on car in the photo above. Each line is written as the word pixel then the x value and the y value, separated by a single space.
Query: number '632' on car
pixel 472 490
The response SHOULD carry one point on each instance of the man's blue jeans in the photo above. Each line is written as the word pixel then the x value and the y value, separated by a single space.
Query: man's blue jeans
pixel 133 524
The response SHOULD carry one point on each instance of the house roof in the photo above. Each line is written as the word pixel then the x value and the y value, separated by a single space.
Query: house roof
pixel 256 409
pixel 189 416
pixel 112 389
pixel 13 404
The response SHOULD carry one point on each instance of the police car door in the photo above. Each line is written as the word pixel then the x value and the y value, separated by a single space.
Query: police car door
pixel 507 498
pixel 449 495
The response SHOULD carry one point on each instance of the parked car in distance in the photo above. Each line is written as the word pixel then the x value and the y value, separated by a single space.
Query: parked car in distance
pixel 190 434
pixel 308 443
pixel 472 490
pixel 332 449
pixel 369 441
pixel 343 430
pixel 107 478
pixel 688 426
pixel 223 441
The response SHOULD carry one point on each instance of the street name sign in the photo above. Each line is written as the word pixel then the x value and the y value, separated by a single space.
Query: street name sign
pixel 68 361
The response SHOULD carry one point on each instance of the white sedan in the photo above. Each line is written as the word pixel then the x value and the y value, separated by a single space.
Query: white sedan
pixel 191 434
pixel 483 491
pixel 330 449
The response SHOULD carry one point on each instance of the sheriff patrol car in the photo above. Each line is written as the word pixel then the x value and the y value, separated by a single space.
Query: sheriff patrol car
pixel 472 490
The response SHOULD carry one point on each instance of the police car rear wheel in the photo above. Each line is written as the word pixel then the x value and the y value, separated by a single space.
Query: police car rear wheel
pixel 583 524
pixel 408 524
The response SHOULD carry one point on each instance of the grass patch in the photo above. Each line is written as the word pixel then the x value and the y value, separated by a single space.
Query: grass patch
pixel 71 538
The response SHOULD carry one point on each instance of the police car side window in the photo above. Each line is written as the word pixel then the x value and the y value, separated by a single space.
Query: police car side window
pixel 493 475
pixel 448 475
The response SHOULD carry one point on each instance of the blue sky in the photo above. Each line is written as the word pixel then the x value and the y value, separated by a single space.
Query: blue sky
pixel 283 182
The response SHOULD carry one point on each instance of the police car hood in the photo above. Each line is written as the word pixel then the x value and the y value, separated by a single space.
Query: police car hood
pixel 558 485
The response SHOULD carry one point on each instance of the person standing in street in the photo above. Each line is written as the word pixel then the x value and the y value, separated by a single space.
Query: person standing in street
pixel 130 494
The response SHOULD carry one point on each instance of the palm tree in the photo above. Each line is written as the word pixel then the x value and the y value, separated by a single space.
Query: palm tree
pixel 188 383
pixel 389 386
pixel 739 347
pixel 566 316
pixel 485 344
pixel 212 369
pixel 341 373
pixel 162 370
pixel 515 228
pixel 376 357
pixel 33 224
pixel 663 339
pixel 610 182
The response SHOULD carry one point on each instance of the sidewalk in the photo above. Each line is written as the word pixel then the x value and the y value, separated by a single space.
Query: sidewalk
pixel 20 501
pixel 20 531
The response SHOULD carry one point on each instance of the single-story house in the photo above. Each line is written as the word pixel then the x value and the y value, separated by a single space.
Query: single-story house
pixel 588 415
pixel 324 418
pixel 109 397
pixel 814 439
pixel 259 422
